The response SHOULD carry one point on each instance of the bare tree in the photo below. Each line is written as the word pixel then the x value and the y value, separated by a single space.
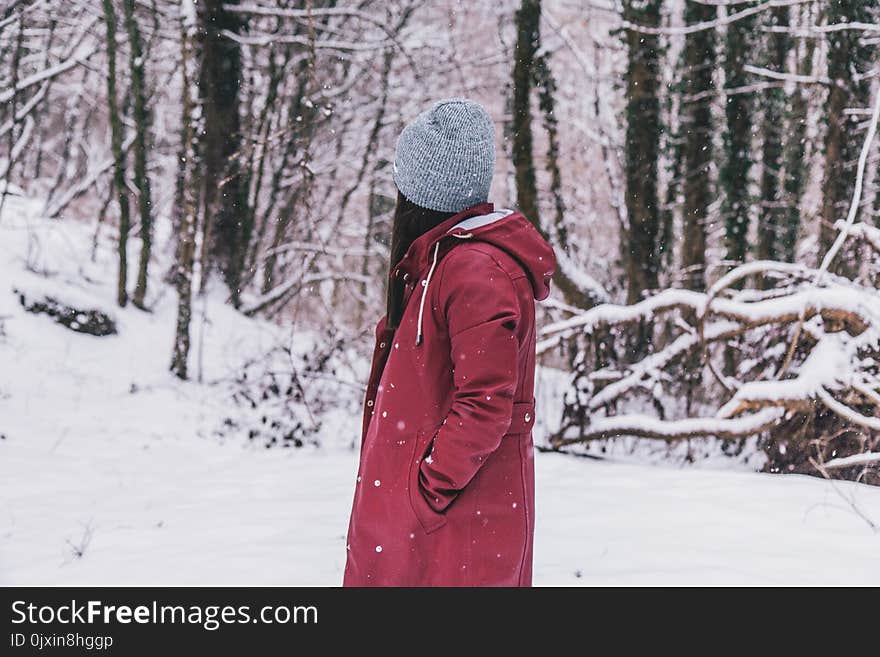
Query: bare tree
pixel 227 227
pixel 696 127
pixel 187 210
pixel 640 247
pixel 116 133
pixel 141 174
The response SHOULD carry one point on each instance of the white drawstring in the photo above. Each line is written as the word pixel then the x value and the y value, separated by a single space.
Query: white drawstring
pixel 425 286
pixel 425 293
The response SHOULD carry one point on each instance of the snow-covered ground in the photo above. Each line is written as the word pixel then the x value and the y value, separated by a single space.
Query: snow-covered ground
pixel 110 473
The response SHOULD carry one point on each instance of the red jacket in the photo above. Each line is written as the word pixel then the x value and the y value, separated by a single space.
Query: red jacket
pixel 445 489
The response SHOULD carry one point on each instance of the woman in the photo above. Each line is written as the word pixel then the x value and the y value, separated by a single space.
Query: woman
pixel 445 489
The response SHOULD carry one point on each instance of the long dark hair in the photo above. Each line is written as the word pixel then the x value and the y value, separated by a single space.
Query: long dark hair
pixel 409 222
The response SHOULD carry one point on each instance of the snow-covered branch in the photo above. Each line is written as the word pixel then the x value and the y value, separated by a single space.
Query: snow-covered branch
pixel 868 458
pixel 786 77
pixel 324 44
pixel 801 347
pixel 645 426
pixel 51 72
pixel 294 284
pixel 713 24
pixel 817 30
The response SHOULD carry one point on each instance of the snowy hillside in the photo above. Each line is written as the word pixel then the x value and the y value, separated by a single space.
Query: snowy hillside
pixel 113 472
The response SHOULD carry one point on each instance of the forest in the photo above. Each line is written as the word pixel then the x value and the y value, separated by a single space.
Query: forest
pixel 707 172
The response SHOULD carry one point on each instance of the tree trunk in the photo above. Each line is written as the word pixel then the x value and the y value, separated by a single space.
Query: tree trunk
pixel 771 211
pixel 734 174
pixel 847 60
pixel 546 87
pixel 141 177
pixel 528 23
pixel 13 111
pixel 227 222
pixel 641 255
pixel 118 155
pixel 795 175
pixel 699 55
pixel 299 134
pixel 186 210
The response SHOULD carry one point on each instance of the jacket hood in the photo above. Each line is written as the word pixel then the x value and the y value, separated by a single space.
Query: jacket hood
pixel 504 228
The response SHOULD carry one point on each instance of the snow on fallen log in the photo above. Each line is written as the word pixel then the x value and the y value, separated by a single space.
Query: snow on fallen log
pixel 870 234
pixel 839 320
pixel 827 365
pixel 90 321
pixel 793 353
pixel 837 302
pixel 610 313
pixel 645 426
pixel 867 458
pixel 656 362
pixel 848 413
pixel 846 304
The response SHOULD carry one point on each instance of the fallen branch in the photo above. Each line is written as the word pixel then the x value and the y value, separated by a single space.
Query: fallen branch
pixel 678 348
pixel 867 458
pixel 832 303
pixel 861 230
pixel 846 412
pixel 282 290
pixel 787 77
pixel 644 426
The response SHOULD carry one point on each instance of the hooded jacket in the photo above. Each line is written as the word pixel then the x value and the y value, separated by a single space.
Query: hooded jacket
pixel 445 488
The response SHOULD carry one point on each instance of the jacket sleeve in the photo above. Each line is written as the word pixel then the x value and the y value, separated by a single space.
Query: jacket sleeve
pixel 482 314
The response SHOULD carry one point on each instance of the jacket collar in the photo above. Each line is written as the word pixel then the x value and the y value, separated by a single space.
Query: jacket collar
pixel 415 260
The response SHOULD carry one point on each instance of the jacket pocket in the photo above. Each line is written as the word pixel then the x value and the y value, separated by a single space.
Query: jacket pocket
pixel 428 518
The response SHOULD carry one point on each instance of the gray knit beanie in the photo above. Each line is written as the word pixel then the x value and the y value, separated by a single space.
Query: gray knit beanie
pixel 445 158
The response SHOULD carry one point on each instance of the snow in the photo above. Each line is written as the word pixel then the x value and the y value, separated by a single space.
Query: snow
pixel 862 230
pixel 619 524
pixel 110 472
pixel 827 364
pixel 582 280
pixel 833 297
pixel 855 459
pixel 609 313
pixel 638 424
pixel 170 509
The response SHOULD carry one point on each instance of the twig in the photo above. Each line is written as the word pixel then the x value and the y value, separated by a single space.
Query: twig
pixel 78 550
pixel 823 470
pixel 846 412
pixel 711 25
pixel 857 192
pixel 786 77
